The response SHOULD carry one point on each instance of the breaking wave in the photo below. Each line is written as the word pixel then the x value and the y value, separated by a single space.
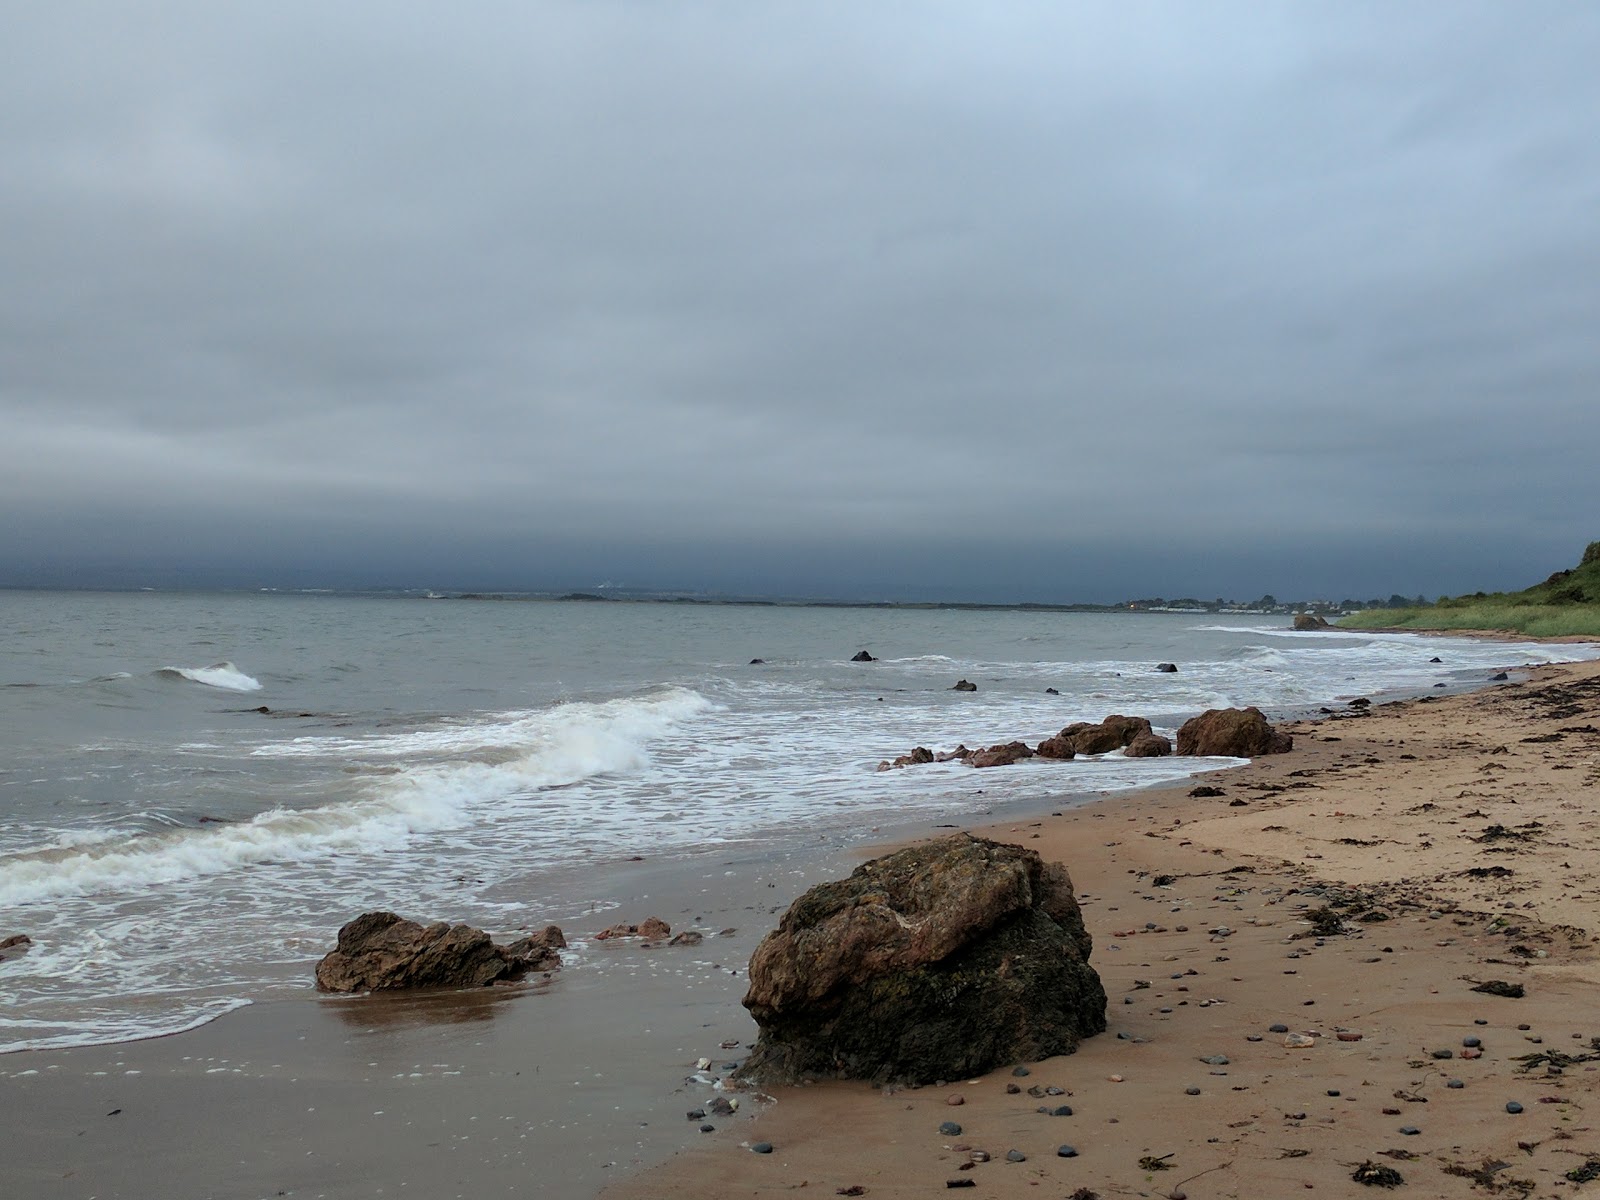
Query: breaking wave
pixel 218 675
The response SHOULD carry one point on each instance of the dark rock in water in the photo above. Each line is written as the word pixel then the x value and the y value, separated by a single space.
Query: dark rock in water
pixel 1235 732
pixel 689 937
pixel 758 662
pixel 654 929
pixel 940 961
pixel 862 656
pixel 1167 668
pixel 1056 747
pixel 1498 677
pixel 1436 659
pixel 919 755
pixel 1307 621
pixel 964 685
pixel 1361 702
pixel 1000 756
pixel 1051 692
pixel 264 709
pixel 17 941
pixel 1148 745
pixel 1113 733
pixel 537 951
pixel 380 951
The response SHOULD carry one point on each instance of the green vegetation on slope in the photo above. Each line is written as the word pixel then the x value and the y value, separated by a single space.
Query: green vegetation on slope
pixel 1565 605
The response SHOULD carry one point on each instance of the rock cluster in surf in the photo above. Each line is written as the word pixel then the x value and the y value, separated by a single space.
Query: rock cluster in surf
pixel 382 951
pixel 1231 732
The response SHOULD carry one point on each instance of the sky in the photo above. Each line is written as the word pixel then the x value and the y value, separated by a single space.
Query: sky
pixel 1020 301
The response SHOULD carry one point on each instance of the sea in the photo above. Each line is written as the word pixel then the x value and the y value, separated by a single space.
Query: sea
pixel 197 790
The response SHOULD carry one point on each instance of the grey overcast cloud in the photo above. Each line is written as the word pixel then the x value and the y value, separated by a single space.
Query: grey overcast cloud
pixel 1019 301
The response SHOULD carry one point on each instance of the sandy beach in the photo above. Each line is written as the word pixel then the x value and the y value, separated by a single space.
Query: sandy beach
pixel 1451 837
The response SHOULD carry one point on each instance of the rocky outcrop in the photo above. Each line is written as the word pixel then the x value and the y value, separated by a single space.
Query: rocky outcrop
pixel 862 656
pixel 538 951
pixel 651 929
pixel 1235 732
pixel 381 951
pixel 964 685
pixel 1167 668
pixel 1148 745
pixel 1310 621
pixel 940 961
pixel 1001 755
pixel 1113 733
pixel 1057 747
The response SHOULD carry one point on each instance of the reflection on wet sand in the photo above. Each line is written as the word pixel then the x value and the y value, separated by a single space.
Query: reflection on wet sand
pixel 422 1008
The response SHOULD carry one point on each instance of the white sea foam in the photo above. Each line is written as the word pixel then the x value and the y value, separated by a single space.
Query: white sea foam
pixel 573 743
pixel 33 1035
pixel 218 675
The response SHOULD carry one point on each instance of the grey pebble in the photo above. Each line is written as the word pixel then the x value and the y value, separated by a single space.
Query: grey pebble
pixel 761 1148
pixel 1513 1107
pixel 1191 1091
pixel 696 1114
pixel 1410 1130
pixel 1216 1060
pixel 950 1129
pixel 1061 1110
pixel 1021 1071
pixel 708 1129
pixel 1066 1152
pixel 1016 1156
pixel 1444 1054
pixel 1454 1083
pixel 1277 1029
pixel 1471 1042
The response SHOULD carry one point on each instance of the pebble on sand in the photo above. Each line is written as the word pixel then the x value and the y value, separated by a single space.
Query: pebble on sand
pixel 1066 1152
pixel 950 1129
pixel 761 1148
pixel 1513 1107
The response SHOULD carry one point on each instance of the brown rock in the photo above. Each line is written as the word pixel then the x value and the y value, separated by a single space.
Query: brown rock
pixel 1000 756
pixel 380 951
pixel 939 961
pixel 964 685
pixel 537 951
pixel 1148 745
pixel 689 937
pixel 1113 733
pixel 654 929
pixel 1056 747
pixel 1308 621
pixel 1235 732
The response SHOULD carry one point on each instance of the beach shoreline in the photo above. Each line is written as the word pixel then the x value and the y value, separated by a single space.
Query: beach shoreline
pixel 1447 837
pixel 306 1096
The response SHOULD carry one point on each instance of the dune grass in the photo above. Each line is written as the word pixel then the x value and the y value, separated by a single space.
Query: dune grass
pixel 1535 620
pixel 1565 605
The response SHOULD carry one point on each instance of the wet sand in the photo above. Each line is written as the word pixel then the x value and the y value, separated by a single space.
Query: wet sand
pixel 557 1089
pixel 1454 840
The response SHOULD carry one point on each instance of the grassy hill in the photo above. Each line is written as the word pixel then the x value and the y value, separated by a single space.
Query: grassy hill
pixel 1565 605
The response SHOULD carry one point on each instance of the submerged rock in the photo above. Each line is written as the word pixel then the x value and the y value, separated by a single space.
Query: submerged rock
pixel 382 951
pixel 940 961
pixel 862 656
pixel 964 685
pixel 1234 732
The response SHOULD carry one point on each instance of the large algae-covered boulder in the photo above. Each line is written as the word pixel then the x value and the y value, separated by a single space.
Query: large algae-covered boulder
pixel 939 961
pixel 1235 732
pixel 381 951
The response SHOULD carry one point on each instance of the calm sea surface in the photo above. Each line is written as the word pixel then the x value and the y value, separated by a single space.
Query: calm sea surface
pixel 174 852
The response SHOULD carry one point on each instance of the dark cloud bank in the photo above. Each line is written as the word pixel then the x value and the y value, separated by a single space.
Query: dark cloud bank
pixel 1033 302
